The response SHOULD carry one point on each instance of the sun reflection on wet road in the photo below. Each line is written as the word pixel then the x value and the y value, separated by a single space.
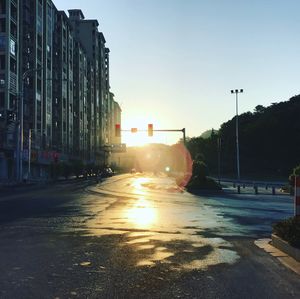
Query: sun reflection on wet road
pixel 138 183
pixel 142 214
pixel 159 225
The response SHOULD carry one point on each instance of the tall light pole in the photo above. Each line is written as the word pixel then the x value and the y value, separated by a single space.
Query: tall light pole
pixel 20 139
pixel 236 91
pixel 219 145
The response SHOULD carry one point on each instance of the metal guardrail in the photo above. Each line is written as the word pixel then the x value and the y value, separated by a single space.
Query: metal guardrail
pixel 254 184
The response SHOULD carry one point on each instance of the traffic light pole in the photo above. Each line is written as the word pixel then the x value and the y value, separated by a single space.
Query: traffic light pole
pixel 150 131
pixel 182 130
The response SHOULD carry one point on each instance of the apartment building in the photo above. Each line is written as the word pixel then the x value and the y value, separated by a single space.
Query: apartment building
pixel 59 66
pixel 87 33
pixel 9 82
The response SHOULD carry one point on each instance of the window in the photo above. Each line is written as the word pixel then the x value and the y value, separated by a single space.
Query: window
pixel 2 25
pixel 2 100
pixel 39 40
pixel 2 43
pixel 39 55
pixel 38 85
pixel 2 62
pixel 2 7
pixel 12 47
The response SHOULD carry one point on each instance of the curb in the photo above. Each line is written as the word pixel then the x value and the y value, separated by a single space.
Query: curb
pixel 286 247
pixel 282 257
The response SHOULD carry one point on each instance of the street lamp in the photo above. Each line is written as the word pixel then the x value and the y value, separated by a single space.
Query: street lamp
pixel 20 138
pixel 219 145
pixel 236 91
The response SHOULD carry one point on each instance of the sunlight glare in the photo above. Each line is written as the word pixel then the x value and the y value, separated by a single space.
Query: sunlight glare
pixel 142 214
pixel 138 183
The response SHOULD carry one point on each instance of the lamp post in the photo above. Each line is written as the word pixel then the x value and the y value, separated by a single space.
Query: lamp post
pixel 236 91
pixel 20 139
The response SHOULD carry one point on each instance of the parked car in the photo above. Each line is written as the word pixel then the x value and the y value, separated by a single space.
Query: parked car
pixel 107 172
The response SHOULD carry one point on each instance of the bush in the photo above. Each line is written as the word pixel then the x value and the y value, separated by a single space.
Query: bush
pixel 199 180
pixel 289 230
pixel 200 170
pixel 200 183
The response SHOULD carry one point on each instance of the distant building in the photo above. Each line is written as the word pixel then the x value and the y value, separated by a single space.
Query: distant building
pixel 66 92
pixel 115 118
pixel 116 115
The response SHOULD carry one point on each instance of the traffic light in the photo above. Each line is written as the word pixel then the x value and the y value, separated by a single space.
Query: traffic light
pixel 118 130
pixel 150 129
pixel 134 130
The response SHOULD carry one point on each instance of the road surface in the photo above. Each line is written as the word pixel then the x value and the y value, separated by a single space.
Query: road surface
pixel 139 236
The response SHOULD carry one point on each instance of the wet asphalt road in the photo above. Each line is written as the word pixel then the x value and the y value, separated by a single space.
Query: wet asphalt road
pixel 139 237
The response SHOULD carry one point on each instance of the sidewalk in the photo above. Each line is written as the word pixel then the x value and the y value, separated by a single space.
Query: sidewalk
pixel 283 258
pixel 8 188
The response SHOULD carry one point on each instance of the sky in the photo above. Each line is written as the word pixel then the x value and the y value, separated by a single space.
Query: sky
pixel 174 62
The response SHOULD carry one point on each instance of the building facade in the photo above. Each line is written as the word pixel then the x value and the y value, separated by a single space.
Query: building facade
pixel 58 65
pixel 9 82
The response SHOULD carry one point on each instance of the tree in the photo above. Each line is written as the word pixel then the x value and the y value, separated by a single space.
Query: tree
pixel 269 142
pixel 200 170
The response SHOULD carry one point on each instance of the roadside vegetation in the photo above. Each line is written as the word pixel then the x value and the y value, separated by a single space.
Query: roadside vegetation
pixel 289 230
pixel 200 179
pixel 269 142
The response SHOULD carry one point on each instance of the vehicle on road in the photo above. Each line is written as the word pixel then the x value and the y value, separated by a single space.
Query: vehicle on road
pixel 107 172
